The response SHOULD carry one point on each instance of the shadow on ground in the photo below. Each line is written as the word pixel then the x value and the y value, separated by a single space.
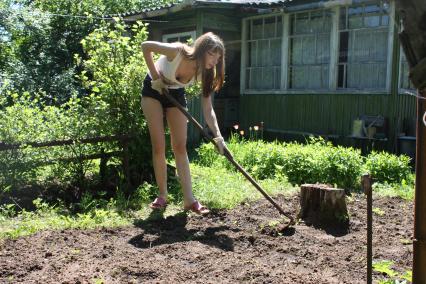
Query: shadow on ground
pixel 158 230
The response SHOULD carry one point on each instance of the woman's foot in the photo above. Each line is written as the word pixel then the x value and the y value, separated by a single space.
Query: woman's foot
pixel 196 207
pixel 159 203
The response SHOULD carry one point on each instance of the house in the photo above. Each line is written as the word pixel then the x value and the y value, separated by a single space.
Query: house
pixel 302 66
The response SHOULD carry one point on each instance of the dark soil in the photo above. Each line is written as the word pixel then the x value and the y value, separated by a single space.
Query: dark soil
pixel 223 247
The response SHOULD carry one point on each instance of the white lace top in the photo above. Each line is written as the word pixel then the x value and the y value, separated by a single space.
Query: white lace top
pixel 168 68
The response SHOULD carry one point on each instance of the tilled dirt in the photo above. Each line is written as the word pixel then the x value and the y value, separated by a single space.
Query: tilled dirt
pixel 224 247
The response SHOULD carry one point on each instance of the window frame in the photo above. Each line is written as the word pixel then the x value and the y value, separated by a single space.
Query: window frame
pixel 390 38
pixel 334 51
pixel 290 37
pixel 192 34
pixel 245 42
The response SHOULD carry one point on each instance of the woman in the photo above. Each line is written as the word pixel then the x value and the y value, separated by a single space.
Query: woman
pixel 178 67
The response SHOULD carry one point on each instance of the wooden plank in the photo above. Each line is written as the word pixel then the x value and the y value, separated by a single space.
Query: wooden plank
pixel 5 146
pixel 176 24
pixel 243 57
pixel 199 23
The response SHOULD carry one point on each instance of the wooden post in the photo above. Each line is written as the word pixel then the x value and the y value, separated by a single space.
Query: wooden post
pixel 126 168
pixel 367 186
pixel 419 242
pixel 413 41
pixel 102 167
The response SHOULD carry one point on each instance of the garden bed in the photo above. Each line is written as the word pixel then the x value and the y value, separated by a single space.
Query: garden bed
pixel 225 246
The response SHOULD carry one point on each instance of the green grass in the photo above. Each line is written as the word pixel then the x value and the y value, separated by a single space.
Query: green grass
pixel 217 188
pixel 403 190
pixel 221 188
pixel 27 223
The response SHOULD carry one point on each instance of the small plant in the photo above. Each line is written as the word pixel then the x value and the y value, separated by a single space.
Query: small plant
pixel 98 281
pixel 378 211
pixel 7 210
pixel 273 223
pixel 385 267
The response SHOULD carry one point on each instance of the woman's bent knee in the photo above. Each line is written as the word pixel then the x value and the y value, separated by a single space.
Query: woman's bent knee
pixel 179 149
pixel 158 150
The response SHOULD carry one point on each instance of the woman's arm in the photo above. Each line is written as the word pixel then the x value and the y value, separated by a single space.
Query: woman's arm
pixel 168 49
pixel 211 120
pixel 210 115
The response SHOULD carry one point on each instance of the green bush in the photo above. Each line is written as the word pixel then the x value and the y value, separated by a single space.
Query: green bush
pixel 112 75
pixel 343 166
pixel 322 162
pixel 316 161
pixel 23 119
pixel 388 168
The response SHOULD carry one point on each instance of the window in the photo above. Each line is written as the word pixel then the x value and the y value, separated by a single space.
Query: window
pixel 363 46
pixel 309 45
pixel 263 60
pixel 181 37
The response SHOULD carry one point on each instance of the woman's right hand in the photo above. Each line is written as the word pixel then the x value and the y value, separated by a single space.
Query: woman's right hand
pixel 159 85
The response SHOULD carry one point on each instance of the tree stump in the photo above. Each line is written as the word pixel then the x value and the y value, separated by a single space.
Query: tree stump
pixel 323 204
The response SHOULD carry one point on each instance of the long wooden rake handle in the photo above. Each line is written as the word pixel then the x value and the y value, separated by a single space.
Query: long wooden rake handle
pixel 229 156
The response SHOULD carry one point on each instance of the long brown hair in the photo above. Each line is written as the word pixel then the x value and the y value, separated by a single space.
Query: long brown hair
pixel 211 79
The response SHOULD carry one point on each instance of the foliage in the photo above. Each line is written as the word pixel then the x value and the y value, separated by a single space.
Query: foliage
pixel 317 161
pixel 24 118
pixel 193 91
pixel 115 70
pixel 389 168
pixel 39 38
pixel 385 267
pixel 322 162
pixel 40 52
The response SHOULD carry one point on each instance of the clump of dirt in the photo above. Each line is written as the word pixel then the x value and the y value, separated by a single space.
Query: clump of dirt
pixel 240 245
pixel 277 227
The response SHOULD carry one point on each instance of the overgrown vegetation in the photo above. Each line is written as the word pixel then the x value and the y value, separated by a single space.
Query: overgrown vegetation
pixel 316 161
pixel 112 73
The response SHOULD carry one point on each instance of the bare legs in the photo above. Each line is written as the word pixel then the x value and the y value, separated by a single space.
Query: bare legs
pixel 153 112
pixel 178 131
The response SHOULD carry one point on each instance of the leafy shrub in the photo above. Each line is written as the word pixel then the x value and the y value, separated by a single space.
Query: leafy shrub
pixel 388 168
pixel 23 119
pixel 112 75
pixel 115 70
pixel 316 161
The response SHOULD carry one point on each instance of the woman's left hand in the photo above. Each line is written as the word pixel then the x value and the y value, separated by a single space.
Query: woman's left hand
pixel 220 144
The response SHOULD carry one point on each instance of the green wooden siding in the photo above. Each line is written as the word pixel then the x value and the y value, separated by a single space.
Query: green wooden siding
pixel 325 114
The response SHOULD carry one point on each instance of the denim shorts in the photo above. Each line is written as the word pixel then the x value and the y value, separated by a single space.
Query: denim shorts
pixel 178 94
